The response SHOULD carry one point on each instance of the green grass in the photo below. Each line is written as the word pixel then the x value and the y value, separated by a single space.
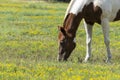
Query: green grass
pixel 29 46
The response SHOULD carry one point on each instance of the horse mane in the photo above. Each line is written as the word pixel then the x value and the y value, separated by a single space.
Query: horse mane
pixel 68 10
pixel 69 7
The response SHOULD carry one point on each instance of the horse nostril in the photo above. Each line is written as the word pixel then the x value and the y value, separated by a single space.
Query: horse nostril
pixel 59 58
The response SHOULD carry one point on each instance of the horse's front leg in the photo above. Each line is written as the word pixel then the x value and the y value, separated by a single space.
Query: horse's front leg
pixel 105 28
pixel 88 29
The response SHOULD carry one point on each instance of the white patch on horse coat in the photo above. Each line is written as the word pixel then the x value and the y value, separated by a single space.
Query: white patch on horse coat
pixel 69 7
pixel 105 28
pixel 74 40
pixel 109 7
pixel 88 29
pixel 115 4
pixel 77 6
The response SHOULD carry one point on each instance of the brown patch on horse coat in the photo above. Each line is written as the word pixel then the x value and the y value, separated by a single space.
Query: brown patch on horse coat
pixel 90 13
pixel 117 16
pixel 71 24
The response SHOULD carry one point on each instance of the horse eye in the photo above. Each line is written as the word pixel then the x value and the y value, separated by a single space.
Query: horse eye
pixel 62 42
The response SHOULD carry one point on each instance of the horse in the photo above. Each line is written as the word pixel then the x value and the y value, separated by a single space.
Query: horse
pixel 91 11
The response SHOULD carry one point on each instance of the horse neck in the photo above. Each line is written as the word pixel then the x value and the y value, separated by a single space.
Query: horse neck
pixel 71 23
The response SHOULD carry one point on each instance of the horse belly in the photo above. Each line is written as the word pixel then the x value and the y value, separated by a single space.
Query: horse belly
pixel 117 17
pixel 115 10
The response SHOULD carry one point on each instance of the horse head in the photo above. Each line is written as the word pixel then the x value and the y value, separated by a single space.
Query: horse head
pixel 66 44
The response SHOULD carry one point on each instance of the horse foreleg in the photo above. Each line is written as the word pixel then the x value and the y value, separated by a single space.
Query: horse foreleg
pixel 88 29
pixel 105 28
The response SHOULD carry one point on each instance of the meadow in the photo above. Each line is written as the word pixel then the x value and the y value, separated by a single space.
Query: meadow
pixel 29 46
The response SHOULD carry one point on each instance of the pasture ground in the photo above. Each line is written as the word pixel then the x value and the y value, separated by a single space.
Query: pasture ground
pixel 28 45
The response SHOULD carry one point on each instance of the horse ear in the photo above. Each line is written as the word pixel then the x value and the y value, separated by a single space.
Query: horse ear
pixel 61 29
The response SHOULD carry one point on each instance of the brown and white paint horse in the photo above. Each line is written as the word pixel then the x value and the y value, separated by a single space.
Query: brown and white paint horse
pixel 92 11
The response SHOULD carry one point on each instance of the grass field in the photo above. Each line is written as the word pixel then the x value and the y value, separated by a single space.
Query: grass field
pixel 28 45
